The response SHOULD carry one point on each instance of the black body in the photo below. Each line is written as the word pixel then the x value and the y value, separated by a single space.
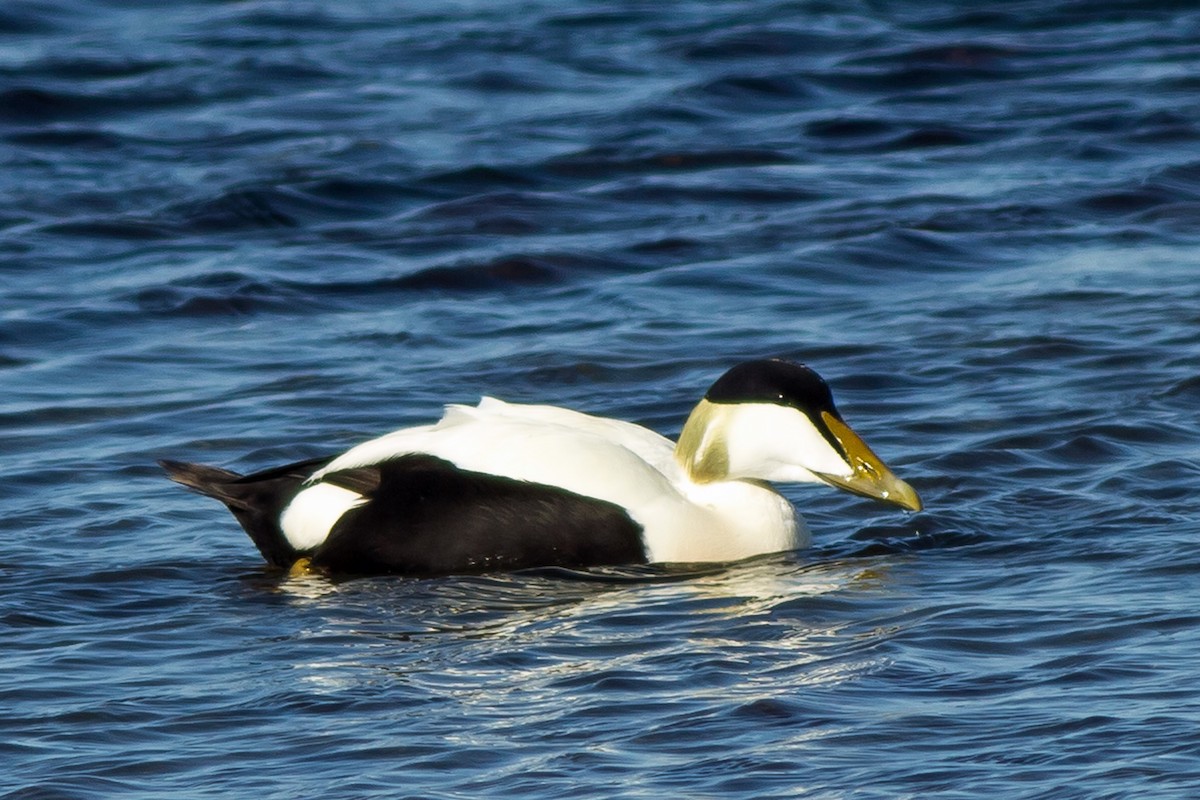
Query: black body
pixel 425 516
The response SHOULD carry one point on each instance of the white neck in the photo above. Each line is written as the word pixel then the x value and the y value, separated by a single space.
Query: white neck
pixel 740 515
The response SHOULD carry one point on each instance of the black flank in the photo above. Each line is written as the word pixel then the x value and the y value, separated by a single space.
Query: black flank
pixel 425 516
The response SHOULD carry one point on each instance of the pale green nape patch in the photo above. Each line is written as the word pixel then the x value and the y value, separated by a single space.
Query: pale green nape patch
pixel 702 450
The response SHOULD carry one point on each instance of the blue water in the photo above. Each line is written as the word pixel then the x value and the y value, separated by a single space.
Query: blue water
pixel 248 232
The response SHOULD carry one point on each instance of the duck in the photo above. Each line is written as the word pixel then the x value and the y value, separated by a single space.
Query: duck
pixel 503 486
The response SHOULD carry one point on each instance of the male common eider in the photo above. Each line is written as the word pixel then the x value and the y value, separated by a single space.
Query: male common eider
pixel 503 486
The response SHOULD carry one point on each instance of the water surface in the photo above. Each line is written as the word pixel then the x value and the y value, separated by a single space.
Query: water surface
pixel 249 232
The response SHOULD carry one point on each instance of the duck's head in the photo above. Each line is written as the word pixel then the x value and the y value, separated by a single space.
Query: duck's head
pixel 774 420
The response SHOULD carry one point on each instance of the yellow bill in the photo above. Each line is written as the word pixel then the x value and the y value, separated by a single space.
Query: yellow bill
pixel 870 476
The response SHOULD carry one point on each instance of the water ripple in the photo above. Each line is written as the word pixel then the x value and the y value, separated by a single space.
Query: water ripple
pixel 259 232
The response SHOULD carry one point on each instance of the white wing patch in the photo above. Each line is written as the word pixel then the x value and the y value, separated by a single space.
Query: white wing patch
pixel 311 515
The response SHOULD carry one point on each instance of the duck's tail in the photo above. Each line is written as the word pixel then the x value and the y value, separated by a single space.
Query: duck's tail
pixel 208 481
pixel 256 500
